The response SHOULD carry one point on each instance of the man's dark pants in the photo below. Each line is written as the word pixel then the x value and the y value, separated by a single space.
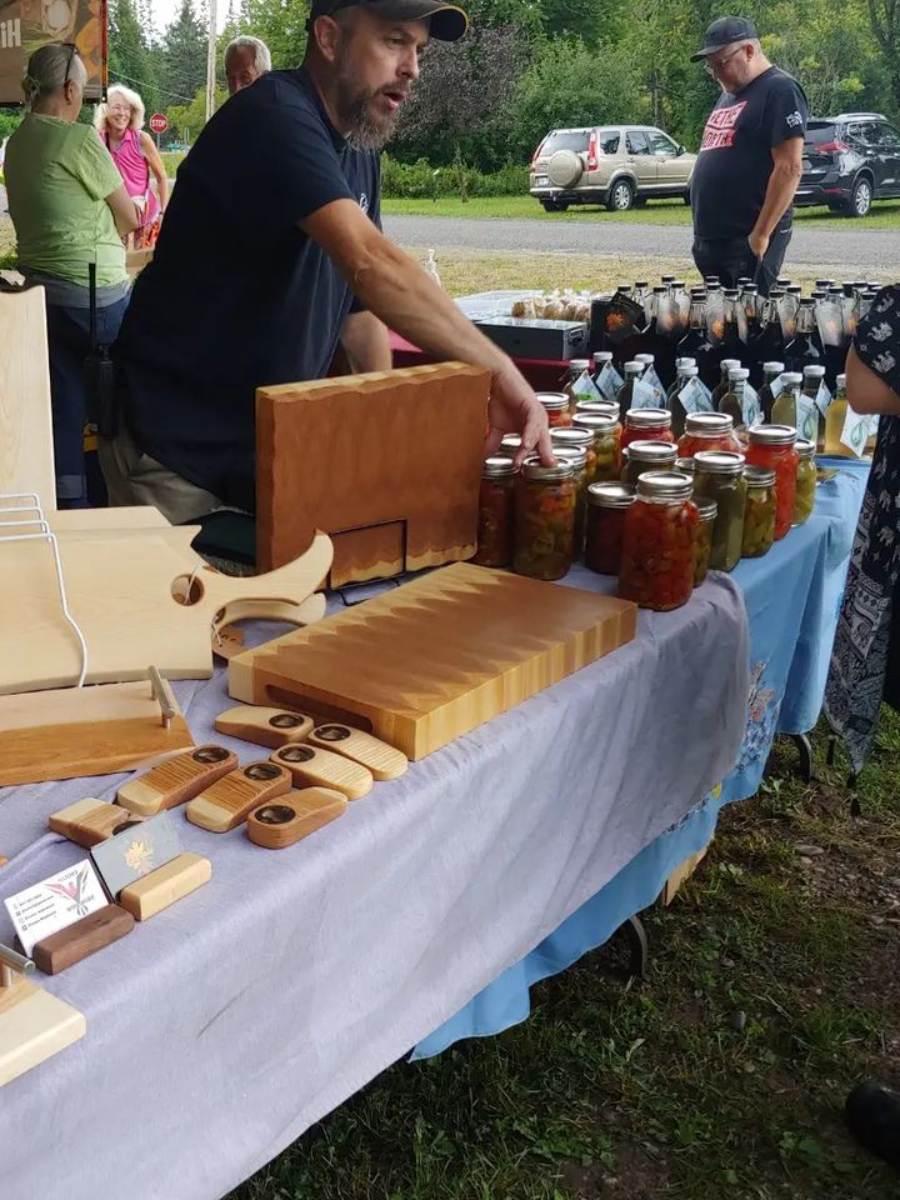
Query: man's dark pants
pixel 731 258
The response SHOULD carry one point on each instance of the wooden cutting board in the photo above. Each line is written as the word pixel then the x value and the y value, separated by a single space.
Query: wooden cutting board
pixel 423 664
pixel 26 435
pixel 120 591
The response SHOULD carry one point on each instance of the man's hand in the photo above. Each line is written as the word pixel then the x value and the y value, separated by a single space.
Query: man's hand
pixel 759 244
pixel 514 408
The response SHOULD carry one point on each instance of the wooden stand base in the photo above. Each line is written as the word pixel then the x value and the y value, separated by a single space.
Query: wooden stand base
pixel 165 885
pixel 85 937
pixel 33 1027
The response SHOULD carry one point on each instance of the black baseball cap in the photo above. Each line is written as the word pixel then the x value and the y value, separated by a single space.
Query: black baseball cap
pixel 723 32
pixel 448 21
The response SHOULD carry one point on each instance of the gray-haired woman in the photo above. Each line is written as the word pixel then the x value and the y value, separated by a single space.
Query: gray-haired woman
pixel 70 209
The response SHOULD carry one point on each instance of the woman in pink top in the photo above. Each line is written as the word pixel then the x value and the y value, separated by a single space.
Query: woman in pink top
pixel 119 123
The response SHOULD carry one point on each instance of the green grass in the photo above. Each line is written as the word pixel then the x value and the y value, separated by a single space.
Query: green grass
pixel 773 989
pixel 884 215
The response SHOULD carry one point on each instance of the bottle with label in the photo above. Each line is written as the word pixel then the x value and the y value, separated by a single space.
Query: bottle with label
pixel 815 390
pixel 661 336
pixel 771 387
pixel 715 312
pixel 805 348
pixel 682 305
pixel 788 309
pixel 733 341
pixel 578 384
pixel 625 398
pixel 845 430
pixel 721 386
pixel 753 303
pixel 769 345
pixel 732 401
pixel 650 376
pixel 696 343
pixel 786 407
pixel 686 395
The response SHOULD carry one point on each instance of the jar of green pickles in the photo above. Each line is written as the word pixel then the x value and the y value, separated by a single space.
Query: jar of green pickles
pixel 759 515
pixel 577 439
pixel 719 476
pixel 707 510
pixel 647 456
pixel 577 456
pixel 607 434
pixel 544 520
pixel 805 498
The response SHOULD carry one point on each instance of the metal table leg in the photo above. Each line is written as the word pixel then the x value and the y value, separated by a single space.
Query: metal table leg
pixel 639 946
pixel 804 749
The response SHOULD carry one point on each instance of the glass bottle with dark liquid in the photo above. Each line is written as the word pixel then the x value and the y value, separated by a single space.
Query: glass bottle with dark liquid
pixel 731 402
pixel 769 342
pixel 805 348
pixel 696 343
pixel 659 338
pixel 726 366
pixel 633 372
pixel 767 393
pixel 687 369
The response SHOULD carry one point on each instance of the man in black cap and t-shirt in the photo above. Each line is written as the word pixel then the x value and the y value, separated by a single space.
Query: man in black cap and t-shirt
pixel 750 160
pixel 272 256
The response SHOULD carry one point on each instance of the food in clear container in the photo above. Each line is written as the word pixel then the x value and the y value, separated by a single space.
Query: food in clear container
pixel 719 476
pixel 647 424
pixel 577 456
pixel 607 434
pixel 496 502
pixel 773 446
pixel 707 431
pixel 544 534
pixel 607 504
pixel 759 515
pixel 556 406
pixel 575 438
pixel 706 514
pixel 657 567
pixel 644 456
pixel 805 497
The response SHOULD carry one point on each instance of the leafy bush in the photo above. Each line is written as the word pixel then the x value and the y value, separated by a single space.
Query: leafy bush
pixel 420 180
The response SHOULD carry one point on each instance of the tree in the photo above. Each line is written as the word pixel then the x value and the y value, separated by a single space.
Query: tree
pixel 184 54
pixel 282 26
pixel 130 59
pixel 884 16
pixel 188 119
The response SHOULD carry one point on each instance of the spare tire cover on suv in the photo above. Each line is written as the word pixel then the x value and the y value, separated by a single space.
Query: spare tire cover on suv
pixel 565 168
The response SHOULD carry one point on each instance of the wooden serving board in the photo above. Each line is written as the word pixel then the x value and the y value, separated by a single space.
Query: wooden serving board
pixel 395 476
pixel 423 664
pixel 26 434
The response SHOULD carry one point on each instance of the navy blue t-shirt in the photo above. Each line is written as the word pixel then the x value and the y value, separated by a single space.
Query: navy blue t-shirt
pixel 729 183
pixel 237 297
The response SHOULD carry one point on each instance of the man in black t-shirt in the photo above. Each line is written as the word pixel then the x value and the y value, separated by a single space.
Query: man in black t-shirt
pixel 750 160
pixel 272 256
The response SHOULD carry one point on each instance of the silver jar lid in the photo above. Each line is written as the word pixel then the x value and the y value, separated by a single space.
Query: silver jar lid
pixel 595 422
pixel 685 465
pixel 792 377
pixel 759 477
pixel 665 485
pixel 568 438
pixel 610 495
pixel 598 408
pixel 553 401
pixel 649 450
pixel 497 466
pixel 814 371
pixel 805 448
pixel 511 441
pixel 535 469
pixel 708 509
pixel 719 462
pixel 576 455
pixel 648 418
pixel 708 424
pixel 773 435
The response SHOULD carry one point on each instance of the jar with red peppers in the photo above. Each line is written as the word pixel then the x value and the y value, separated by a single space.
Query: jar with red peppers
pixel 556 406
pixel 544 533
pixel 657 568
pixel 577 456
pixel 647 424
pixel 607 504
pixel 773 446
pixel 496 501
pixel 647 456
pixel 607 435
pixel 707 431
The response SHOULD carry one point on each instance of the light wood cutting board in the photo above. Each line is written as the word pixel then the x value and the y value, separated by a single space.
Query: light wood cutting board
pixel 423 664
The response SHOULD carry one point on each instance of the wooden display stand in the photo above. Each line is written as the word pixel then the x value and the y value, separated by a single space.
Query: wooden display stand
pixel 33 1024
pixel 388 463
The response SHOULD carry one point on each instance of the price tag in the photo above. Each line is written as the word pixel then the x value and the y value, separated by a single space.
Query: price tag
pixel 694 397
pixel 855 433
pixel 823 398
pixel 643 396
pixel 609 382
pixel 751 410
pixel 807 418
pixel 584 386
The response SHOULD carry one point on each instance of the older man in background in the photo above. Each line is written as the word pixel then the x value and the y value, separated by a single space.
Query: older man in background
pixel 246 58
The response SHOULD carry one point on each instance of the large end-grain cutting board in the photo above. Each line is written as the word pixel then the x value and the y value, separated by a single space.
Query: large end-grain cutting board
pixel 389 464
pixel 423 664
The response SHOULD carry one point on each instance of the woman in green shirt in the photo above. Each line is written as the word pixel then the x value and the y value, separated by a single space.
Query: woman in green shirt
pixel 69 208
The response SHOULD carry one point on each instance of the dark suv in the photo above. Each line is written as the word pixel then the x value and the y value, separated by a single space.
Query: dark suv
pixel 849 161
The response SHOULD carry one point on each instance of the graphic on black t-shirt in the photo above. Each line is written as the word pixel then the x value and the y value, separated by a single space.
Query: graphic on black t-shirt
pixel 720 128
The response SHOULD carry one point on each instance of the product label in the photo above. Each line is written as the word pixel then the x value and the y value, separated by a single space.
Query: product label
pixel 694 397
pixel 751 408
pixel 643 396
pixel 823 398
pixel 651 379
pixel 609 382
pixel 855 433
pixel 584 386
pixel 776 387
pixel 807 418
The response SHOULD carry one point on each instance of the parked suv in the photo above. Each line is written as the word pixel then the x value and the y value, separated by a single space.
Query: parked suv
pixel 849 161
pixel 615 165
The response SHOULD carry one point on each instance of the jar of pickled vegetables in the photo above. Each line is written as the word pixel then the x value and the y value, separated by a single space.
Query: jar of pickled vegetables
pixel 496 500
pixel 556 406
pixel 577 439
pixel 577 456
pixel 657 567
pixel 706 512
pixel 759 515
pixel 647 424
pixel 773 446
pixel 544 533
pixel 805 498
pixel 707 431
pixel 607 434
pixel 646 456
pixel 607 504
pixel 596 408
pixel 719 476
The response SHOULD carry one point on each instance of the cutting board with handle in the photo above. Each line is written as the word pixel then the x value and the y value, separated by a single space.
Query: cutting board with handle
pixel 433 659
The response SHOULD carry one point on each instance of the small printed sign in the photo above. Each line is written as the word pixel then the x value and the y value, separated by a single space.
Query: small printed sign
pixel 127 857
pixel 55 903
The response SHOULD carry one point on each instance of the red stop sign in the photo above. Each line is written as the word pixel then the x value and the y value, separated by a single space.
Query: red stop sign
pixel 159 123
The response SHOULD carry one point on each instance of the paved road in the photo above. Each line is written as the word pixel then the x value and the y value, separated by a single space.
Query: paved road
pixel 854 247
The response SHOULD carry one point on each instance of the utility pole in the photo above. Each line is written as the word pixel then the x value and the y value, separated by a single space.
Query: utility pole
pixel 211 62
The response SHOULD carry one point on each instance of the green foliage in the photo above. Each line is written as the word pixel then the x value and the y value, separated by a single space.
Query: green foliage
pixel 186 120
pixel 421 180
pixel 280 23
pixel 184 55
pixel 131 59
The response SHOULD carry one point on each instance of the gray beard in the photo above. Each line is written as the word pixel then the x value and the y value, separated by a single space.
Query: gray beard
pixel 364 132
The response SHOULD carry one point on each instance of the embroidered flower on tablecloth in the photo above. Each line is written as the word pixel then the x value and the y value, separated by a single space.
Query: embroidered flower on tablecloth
pixel 762 713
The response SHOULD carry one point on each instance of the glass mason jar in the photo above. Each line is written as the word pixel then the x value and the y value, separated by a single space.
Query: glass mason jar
pixel 596 408
pixel 607 434
pixel 577 456
pixel 574 371
pixel 607 504
pixel 544 531
pixel 784 410
pixel 773 446
pixel 496 501
pixel 759 516
pixel 657 567
pixel 719 476
pixel 805 497
pixel 706 511
pixel 647 456
pixel 647 424
pixel 556 406
pixel 685 466
pixel 707 431
pixel 510 444
pixel 576 439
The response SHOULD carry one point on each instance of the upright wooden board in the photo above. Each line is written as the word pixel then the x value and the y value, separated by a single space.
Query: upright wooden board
pixel 389 463
pixel 26 432
pixel 429 661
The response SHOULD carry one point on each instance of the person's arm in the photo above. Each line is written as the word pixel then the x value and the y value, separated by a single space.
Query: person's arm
pixel 123 210
pixel 868 392
pixel 155 163
pixel 787 171
pixel 395 288
pixel 366 343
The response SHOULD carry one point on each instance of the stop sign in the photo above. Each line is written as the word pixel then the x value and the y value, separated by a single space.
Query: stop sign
pixel 159 123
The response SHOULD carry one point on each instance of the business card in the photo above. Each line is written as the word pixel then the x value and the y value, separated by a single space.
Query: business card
pixel 55 903
pixel 135 852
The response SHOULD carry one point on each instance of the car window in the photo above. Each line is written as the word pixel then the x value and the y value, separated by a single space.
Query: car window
pixel 891 137
pixel 819 132
pixel 857 132
pixel 637 143
pixel 660 144
pixel 608 140
pixel 565 139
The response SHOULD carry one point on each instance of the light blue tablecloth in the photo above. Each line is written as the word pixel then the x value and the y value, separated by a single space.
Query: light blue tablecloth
pixel 792 597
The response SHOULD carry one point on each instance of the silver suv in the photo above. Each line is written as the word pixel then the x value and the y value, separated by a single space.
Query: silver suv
pixel 615 165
